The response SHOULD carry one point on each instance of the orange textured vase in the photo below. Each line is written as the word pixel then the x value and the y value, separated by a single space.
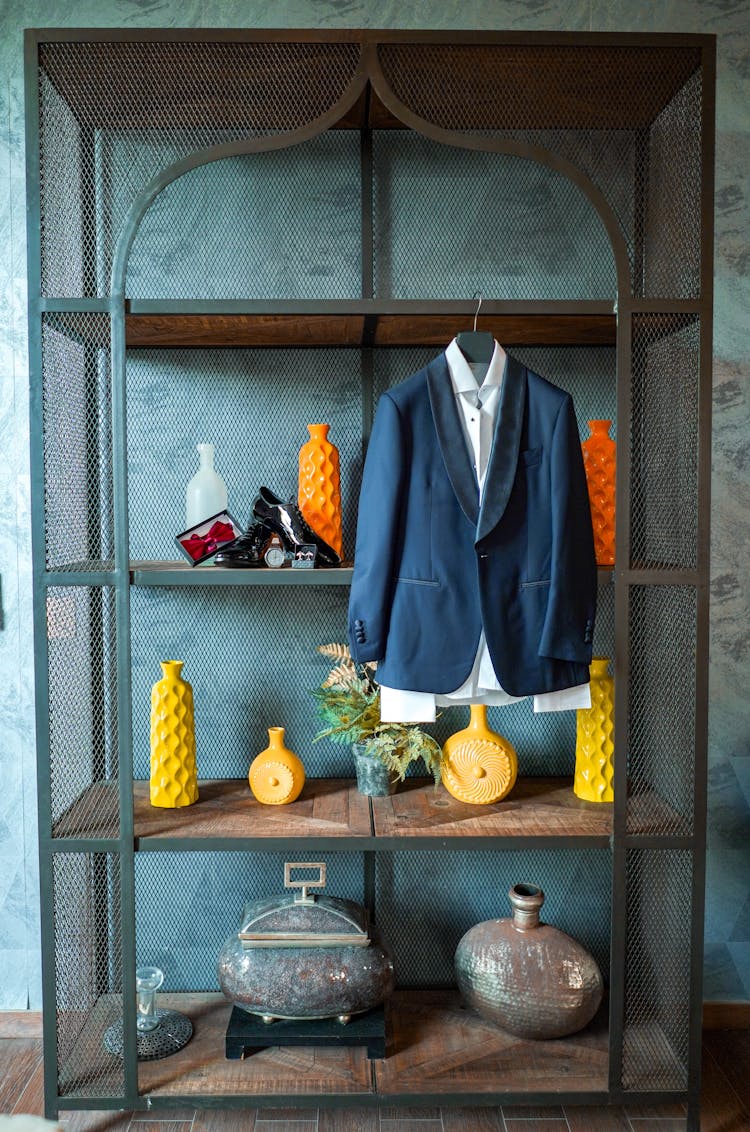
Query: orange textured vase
pixel 599 461
pixel 319 491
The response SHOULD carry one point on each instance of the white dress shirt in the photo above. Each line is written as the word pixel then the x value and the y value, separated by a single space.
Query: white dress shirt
pixel 477 404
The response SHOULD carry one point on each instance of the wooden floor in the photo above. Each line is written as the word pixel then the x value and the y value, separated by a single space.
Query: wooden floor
pixel 725 1106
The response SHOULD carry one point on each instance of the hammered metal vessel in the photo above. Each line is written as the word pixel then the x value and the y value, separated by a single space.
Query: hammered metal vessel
pixel 525 975
pixel 305 956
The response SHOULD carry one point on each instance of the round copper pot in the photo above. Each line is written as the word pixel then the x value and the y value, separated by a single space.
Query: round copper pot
pixel 526 976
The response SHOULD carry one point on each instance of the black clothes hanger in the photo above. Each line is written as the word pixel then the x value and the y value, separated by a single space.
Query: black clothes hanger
pixel 476 345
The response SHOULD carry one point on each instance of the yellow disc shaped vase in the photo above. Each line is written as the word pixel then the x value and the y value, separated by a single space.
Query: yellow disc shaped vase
pixel 276 775
pixel 595 738
pixel 479 765
pixel 319 486
pixel 174 776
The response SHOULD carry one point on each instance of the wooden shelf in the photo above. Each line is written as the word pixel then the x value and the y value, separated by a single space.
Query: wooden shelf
pixel 332 809
pixel 407 329
pixel 328 809
pixel 435 1046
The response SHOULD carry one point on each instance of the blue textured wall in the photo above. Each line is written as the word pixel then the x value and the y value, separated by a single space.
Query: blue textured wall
pixel 728 896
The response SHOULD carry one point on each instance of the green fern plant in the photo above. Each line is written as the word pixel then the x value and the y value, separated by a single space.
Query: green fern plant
pixel 349 706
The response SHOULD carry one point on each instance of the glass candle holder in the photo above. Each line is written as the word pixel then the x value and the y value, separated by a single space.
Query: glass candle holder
pixel 147 982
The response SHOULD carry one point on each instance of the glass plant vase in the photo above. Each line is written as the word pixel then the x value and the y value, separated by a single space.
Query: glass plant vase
pixel 319 486
pixel 599 457
pixel 374 778
pixel 595 738
pixel 174 775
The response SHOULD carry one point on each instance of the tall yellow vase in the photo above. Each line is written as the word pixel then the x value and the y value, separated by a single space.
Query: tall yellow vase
pixel 174 776
pixel 276 775
pixel 479 765
pixel 595 738
pixel 319 486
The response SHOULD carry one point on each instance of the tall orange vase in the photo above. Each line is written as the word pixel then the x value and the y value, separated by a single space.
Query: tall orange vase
pixel 599 461
pixel 319 491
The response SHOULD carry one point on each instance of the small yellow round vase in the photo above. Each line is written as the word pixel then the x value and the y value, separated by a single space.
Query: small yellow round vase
pixel 479 766
pixel 276 775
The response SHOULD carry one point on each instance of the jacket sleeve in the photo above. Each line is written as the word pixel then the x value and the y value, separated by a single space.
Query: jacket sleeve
pixel 568 628
pixel 379 534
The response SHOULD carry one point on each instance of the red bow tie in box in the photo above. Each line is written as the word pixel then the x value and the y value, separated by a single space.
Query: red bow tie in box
pixel 203 540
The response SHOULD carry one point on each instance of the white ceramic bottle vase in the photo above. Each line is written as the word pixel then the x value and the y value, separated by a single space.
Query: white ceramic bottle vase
pixel 206 492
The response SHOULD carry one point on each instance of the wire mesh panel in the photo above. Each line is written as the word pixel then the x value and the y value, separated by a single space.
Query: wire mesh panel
pixel 669 184
pixel 113 115
pixel 657 974
pixel 82 715
pixel 663 447
pixel 458 889
pixel 77 431
pixel 88 969
pixel 250 655
pixel 254 406
pixel 451 221
pixel 600 123
pixel 188 904
pixel 284 224
pixel 662 728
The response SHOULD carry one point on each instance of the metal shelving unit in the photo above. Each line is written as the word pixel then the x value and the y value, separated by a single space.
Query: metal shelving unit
pixel 231 233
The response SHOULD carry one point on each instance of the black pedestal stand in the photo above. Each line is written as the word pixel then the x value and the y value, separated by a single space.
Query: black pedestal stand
pixel 247 1033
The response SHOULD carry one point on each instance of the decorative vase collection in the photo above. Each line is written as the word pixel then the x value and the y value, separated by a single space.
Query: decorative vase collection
pixel 595 738
pixel 526 976
pixel 599 457
pixel 174 776
pixel 479 765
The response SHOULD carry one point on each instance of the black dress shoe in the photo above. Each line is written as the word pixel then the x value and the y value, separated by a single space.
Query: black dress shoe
pixel 247 550
pixel 286 519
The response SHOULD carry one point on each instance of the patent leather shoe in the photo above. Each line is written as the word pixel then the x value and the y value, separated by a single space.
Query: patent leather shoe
pixel 248 550
pixel 285 518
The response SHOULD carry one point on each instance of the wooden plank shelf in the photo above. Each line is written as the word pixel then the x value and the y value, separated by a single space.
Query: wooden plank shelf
pixel 332 811
pixel 434 1046
pixel 536 808
pixel 328 809
pixel 355 329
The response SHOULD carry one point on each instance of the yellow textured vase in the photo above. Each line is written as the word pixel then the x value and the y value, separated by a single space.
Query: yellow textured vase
pixel 595 738
pixel 319 486
pixel 479 766
pixel 174 776
pixel 276 775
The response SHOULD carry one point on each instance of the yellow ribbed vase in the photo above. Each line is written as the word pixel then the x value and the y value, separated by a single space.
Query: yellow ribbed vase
pixel 319 486
pixel 276 775
pixel 479 766
pixel 174 776
pixel 595 738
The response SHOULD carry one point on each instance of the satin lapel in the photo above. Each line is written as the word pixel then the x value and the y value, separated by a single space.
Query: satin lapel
pixel 505 447
pixel 451 439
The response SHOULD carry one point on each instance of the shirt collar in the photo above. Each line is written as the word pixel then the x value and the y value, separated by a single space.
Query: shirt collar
pixel 463 380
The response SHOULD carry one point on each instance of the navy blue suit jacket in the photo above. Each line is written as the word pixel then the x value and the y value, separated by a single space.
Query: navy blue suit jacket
pixel 431 567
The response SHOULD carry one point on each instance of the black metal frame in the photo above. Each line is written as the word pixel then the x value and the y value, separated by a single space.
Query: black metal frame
pixel 369 76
